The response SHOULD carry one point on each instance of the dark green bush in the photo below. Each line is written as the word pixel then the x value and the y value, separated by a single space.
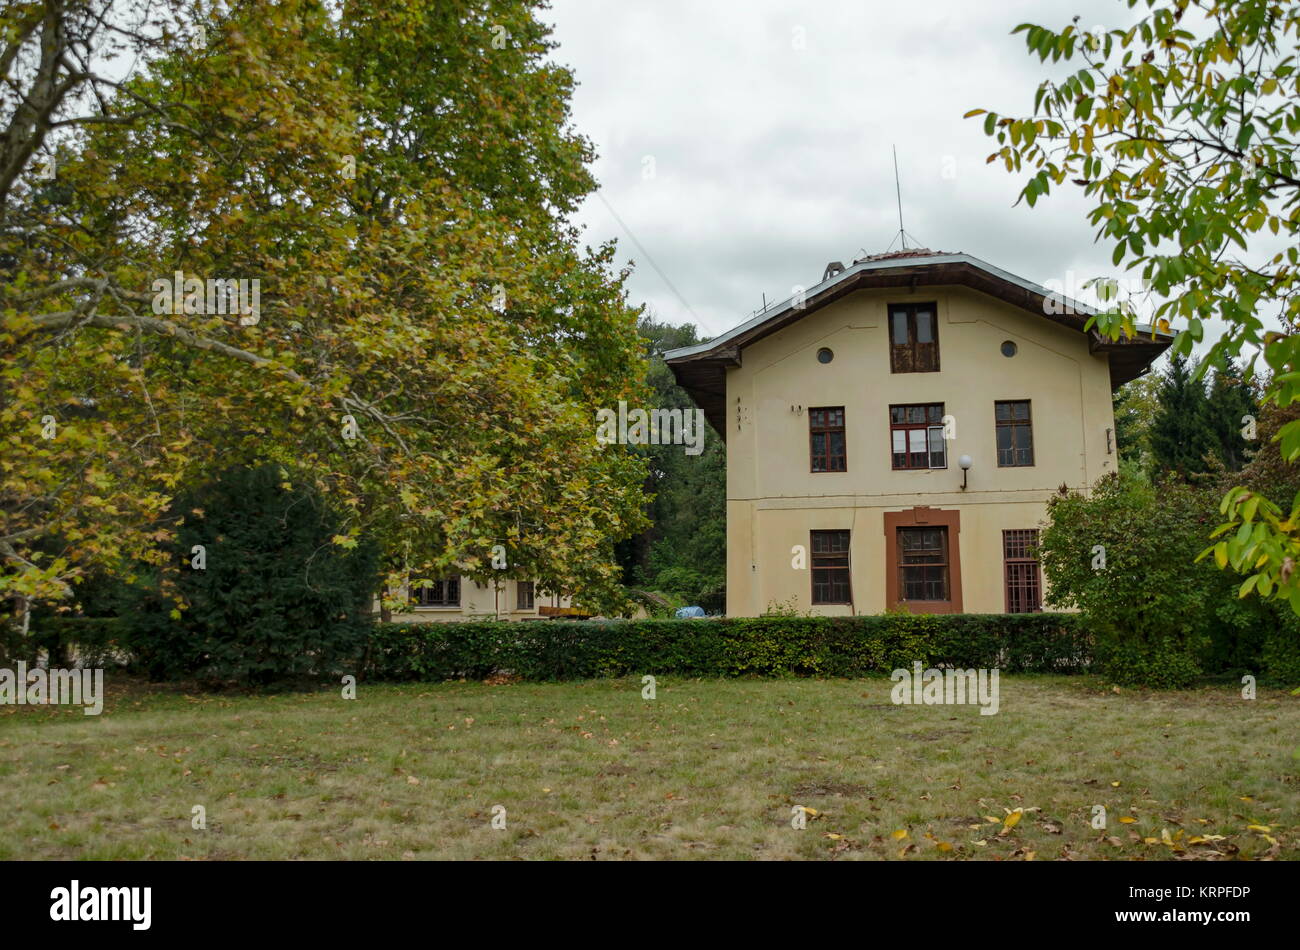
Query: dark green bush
pixel 1281 658
pixel 1159 617
pixel 1150 606
pixel 764 646
pixel 1240 629
pixel 277 598
pixel 92 641
pixel 13 645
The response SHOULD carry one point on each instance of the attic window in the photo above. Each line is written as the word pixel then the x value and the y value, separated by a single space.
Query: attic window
pixel 1009 348
pixel 913 338
pixel 824 355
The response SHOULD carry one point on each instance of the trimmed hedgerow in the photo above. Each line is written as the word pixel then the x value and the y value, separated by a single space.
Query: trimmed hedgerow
pixel 764 646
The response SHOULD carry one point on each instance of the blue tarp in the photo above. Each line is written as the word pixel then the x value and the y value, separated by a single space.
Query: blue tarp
pixel 685 612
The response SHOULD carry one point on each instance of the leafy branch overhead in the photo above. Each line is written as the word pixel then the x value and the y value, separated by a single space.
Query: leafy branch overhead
pixel 1182 130
pixel 430 341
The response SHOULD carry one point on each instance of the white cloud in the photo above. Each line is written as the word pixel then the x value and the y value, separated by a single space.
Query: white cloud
pixel 771 160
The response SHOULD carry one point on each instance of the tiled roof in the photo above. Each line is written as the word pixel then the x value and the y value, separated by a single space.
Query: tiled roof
pixel 903 254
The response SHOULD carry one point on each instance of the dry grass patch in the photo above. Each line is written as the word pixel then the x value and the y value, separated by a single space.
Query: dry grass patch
pixel 709 769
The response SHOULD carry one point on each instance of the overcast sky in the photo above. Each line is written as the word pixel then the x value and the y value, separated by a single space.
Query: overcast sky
pixel 746 144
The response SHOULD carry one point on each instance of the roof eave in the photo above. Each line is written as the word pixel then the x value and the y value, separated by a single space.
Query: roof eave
pixel 706 380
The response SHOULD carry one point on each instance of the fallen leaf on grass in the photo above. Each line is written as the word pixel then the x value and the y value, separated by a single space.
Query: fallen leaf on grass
pixel 1012 819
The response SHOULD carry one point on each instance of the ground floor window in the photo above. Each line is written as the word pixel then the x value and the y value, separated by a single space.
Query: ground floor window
pixel 923 563
pixel 441 593
pixel 1023 578
pixel 923 560
pixel 524 595
pixel 830 568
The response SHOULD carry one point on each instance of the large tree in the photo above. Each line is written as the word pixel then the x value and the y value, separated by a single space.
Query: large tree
pixel 1234 412
pixel 431 342
pixel 1182 433
pixel 1194 429
pixel 1182 130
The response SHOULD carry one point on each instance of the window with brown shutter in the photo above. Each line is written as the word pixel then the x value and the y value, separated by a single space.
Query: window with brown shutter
pixel 830 568
pixel 1015 433
pixel 826 430
pixel 1023 578
pixel 913 338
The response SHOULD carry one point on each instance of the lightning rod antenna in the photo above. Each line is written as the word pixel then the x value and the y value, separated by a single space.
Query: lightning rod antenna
pixel 899 193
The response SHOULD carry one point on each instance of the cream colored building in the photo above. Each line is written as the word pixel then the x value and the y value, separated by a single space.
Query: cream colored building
pixel 847 412
pixel 462 598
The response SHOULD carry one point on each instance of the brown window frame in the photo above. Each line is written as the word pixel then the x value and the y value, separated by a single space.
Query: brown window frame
pixel 908 356
pixel 837 560
pixel 439 595
pixel 522 602
pixel 1025 426
pixel 820 438
pixel 931 429
pixel 1022 577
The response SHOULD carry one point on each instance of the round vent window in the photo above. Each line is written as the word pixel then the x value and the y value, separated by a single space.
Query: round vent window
pixel 1008 348
pixel 824 355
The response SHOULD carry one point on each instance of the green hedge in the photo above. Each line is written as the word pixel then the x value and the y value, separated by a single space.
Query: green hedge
pixel 1281 659
pixel 766 646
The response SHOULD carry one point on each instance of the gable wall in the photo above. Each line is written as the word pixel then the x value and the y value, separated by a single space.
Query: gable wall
pixel 774 500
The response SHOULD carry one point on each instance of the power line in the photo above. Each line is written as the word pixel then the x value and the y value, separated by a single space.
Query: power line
pixel 646 254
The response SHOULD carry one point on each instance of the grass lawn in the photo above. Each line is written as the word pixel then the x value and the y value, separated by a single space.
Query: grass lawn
pixel 708 769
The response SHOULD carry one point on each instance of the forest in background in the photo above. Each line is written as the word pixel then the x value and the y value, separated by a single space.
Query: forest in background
pixel 681 558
